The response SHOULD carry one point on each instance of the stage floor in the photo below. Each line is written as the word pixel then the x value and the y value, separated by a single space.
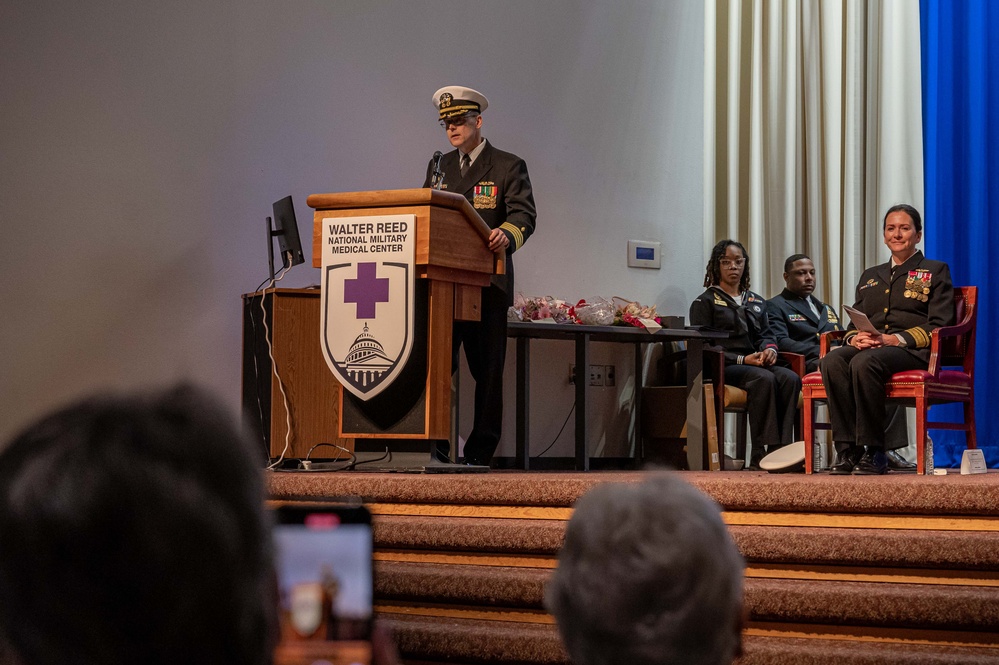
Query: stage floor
pixel 952 494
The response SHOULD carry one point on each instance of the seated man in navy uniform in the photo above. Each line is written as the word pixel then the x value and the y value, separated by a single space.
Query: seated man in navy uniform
pixel 798 318
pixel 497 185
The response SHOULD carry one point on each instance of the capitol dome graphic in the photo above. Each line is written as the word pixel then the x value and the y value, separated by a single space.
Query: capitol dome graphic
pixel 366 362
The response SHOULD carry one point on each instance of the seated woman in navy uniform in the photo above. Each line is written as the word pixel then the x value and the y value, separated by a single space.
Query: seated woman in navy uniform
pixel 905 300
pixel 751 351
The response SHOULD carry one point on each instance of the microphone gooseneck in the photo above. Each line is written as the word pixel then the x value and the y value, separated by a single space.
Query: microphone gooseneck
pixel 437 178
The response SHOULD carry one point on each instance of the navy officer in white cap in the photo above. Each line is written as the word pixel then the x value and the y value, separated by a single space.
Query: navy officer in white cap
pixel 497 185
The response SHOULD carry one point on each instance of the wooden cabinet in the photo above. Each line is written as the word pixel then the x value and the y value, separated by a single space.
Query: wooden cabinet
pixel 313 393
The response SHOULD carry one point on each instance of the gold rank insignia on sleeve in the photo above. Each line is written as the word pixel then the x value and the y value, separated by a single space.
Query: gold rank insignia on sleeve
pixel 720 301
pixel 515 232
pixel 921 337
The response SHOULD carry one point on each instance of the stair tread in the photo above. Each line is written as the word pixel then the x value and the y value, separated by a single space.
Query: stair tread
pixel 477 641
pixel 835 602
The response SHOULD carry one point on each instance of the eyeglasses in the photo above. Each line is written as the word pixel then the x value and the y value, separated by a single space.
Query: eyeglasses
pixel 729 263
pixel 456 120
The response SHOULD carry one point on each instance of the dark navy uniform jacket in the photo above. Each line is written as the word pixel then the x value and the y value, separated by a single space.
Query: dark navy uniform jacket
pixel 499 188
pixel 796 327
pixel 916 300
pixel 748 323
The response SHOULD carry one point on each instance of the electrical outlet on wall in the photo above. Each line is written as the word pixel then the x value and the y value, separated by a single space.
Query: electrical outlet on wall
pixel 598 375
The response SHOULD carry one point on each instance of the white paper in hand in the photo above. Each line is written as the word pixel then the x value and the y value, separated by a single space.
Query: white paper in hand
pixel 860 320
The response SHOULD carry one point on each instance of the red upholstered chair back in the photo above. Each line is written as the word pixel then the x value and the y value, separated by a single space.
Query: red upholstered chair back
pixel 960 349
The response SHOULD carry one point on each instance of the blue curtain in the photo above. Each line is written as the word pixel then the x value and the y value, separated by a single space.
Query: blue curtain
pixel 960 72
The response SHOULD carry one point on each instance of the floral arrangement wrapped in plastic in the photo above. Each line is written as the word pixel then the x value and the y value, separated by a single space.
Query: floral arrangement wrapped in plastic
pixel 599 312
pixel 540 308
pixel 630 313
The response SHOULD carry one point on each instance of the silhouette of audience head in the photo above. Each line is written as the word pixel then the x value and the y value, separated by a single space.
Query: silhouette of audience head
pixel 132 530
pixel 648 575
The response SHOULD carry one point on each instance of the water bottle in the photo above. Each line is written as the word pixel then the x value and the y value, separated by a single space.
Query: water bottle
pixel 928 452
pixel 818 457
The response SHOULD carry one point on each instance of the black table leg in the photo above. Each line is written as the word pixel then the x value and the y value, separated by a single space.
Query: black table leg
pixel 523 402
pixel 582 393
pixel 695 405
pixel 638 450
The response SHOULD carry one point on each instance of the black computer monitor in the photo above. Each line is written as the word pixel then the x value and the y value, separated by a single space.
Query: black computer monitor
pixel 285 229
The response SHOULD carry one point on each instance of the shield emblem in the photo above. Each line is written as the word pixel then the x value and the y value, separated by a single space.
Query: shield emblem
pixel 367 293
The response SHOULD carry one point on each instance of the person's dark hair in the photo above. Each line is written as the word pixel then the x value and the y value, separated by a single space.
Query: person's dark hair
pixel 712 274
pixel 789 261
pixel 648 574
pixel 133 531
pixel 913 214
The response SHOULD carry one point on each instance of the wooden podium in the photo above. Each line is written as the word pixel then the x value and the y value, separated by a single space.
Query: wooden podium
pixel 452 264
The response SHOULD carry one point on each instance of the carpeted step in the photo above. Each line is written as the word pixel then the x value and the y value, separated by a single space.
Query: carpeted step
pixel 513 536
pixel 765 650
pixel 862 571
pixel 446 640
pixel 965 550
pixel 903 548
pixel 436 639
pixel 924 606
pixel 489 586
pixel 902 494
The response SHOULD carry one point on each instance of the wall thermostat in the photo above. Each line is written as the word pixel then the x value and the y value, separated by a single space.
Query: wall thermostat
pixel 643 254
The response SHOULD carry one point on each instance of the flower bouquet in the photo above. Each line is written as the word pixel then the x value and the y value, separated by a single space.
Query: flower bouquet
pixel 597 313
pixel 631 313
pixel 540 308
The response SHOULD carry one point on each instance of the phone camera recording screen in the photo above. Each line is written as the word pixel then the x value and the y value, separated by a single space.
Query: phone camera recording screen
pixel 324 574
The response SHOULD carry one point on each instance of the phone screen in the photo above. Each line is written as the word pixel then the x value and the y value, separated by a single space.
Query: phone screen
pixel 324 572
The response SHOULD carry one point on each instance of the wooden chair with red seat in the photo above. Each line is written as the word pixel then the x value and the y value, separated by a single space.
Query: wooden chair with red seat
pixel 950 346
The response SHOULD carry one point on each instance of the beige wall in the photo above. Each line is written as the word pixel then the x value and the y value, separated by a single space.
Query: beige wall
pixel 141 145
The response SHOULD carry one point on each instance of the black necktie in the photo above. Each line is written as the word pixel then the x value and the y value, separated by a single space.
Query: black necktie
pixel 465 163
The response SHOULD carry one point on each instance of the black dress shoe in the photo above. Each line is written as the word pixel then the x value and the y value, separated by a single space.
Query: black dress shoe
pixel 845 461
pixel 898 464
pixel 873 463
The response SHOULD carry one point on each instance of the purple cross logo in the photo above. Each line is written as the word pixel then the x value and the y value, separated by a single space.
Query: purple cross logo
pixel 366 291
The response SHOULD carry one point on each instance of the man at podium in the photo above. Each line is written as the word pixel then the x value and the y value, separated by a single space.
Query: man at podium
pixel 497 185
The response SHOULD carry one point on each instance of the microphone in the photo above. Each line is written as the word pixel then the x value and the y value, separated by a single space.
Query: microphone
pixel 437 178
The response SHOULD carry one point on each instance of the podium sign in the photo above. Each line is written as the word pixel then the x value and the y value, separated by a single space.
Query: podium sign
pixel 418 257
pixel 368 299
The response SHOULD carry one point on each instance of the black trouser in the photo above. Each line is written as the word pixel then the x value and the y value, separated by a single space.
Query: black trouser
pixel 485 350
pixel 771 400
pixel 855 388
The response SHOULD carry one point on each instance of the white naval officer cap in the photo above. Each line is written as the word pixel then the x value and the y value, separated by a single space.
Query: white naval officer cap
pixel 786 459
pixel 452 100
